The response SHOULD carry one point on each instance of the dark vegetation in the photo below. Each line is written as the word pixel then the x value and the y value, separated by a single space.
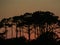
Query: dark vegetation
pixel 39 18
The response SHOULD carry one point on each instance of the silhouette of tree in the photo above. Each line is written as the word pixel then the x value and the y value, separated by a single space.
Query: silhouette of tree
pixel 49 18
pixel 2 34
pixel 15 20
pixel 28 21
pixel 1 25
pixel 18 20
pixel 21 24
pixel 37 19
pixel 43 22
pixel 58 22
pixel 4 21
pixel 10 24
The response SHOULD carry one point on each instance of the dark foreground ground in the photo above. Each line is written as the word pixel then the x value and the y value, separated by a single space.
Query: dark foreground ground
pixel 44 39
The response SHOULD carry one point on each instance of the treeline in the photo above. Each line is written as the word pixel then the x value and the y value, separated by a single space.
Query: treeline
pixel 46 21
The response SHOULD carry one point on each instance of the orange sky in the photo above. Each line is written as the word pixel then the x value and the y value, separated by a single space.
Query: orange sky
pixel 9 8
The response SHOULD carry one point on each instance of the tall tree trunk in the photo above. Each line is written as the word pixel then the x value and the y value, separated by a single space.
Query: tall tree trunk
pixel 46 27
pixel 35 30
pixel 16 31
pixel 11 31
pixel 38 33
pixel 20 31
pixel 29 31
pixel 6 30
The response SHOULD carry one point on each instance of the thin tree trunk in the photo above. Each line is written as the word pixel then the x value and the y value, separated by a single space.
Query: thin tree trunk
pixel 35 30
pixel 16 31
pixel 20 31
pixel 11 31
pixel 6 30
pixel 29 31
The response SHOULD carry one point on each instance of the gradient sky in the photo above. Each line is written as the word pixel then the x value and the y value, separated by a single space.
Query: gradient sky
pixel 9 8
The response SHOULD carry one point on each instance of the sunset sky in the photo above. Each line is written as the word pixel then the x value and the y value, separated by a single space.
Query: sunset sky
pixel 9 8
